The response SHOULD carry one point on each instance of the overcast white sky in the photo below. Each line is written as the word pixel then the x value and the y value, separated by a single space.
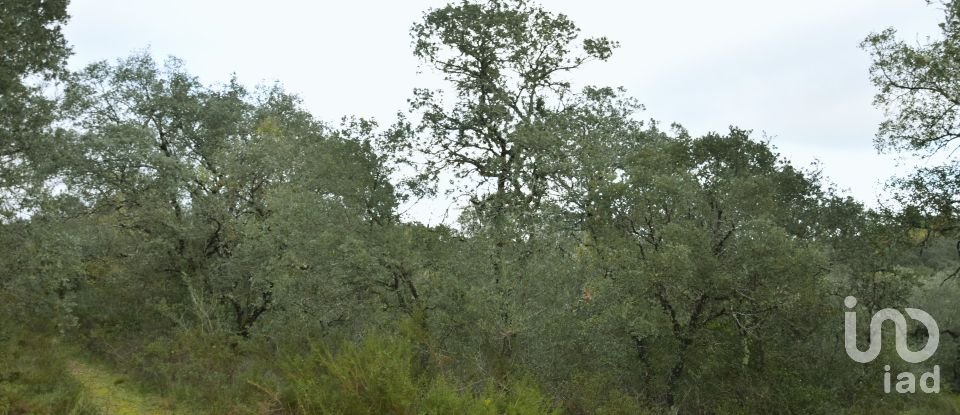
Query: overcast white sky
pixel 790 70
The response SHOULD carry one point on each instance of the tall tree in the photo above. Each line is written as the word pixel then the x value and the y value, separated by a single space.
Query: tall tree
pixel 698 242
pixel 505 61
pixel 32 49
pixel 228 191
pixel 919 89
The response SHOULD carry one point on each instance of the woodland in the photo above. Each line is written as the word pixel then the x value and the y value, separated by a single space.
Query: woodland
pixel 171 246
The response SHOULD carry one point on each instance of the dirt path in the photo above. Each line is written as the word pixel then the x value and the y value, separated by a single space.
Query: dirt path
pixel 107 392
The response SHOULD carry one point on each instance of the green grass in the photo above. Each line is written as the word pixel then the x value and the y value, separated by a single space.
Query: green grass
pixel 34 378
pixel 110 395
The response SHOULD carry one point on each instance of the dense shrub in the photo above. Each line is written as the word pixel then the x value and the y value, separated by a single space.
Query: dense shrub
pixel 380 376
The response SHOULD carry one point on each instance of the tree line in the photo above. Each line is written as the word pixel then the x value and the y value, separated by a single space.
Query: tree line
pixel 225 249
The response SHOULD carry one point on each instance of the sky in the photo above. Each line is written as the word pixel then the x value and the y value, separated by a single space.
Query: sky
pixel 792 72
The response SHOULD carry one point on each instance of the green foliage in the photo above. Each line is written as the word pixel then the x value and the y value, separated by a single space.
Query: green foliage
pixel 34 376
pixel 381 375
pixel 33 51
pixel 375 377
pixel 209 243
pixel 505 61
pixel 917 89
pixel 34 43
pixel 196 369
pixel 219 198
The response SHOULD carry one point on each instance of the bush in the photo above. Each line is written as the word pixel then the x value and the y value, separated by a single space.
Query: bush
pixel 380 375
pixel 198 370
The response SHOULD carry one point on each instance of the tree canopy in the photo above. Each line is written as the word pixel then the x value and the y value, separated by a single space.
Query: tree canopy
pixel 227 251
